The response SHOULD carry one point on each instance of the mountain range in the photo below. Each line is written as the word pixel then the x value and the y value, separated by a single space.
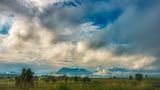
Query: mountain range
pixel 73 72
pixel 8 74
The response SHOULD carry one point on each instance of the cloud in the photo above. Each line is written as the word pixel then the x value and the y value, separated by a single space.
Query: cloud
pixel 26 34
pixel 80 54
pixel 101 72
pixel 73 36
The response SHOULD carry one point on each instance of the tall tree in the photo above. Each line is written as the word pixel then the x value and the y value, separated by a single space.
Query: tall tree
pixel 25 80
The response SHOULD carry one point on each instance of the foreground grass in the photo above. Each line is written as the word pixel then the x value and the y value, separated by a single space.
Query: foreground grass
pixel 95 84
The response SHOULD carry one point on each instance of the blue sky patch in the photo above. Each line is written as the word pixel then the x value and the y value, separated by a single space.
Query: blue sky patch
pixel 102 19
pixel 4 29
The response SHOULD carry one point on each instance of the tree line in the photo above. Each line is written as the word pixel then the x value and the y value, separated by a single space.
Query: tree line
pixel 26 79
pixel 50 78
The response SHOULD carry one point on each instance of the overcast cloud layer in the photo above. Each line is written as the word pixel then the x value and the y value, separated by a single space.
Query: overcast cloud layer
pixel 87 33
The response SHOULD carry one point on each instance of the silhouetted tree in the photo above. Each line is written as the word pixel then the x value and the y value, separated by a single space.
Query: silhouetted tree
pixel 146 76
pixel 130 77
pixel 114 77
pixel 29 78
pixel 139 77
pixel 25 80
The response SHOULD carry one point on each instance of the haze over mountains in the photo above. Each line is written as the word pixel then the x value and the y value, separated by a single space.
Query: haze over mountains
pixel 99 72
pixel 74 72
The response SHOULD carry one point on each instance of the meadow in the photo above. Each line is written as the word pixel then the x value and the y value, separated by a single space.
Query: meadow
pixel 94 84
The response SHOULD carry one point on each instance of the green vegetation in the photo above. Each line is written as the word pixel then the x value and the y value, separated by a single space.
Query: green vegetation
pixel 95 84
pixel 26 81
pixel 130 77
pixel 139 77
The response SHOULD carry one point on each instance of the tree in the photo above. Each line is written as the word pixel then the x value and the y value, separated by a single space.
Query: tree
pixel 20 81
pixel 25 80
pixel 86 79
pixel 130 77
pixel 146 76
pixel 114 77
pixel 29 78
pixel 139 77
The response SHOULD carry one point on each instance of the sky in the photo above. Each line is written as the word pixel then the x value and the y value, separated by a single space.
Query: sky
pixel 47 34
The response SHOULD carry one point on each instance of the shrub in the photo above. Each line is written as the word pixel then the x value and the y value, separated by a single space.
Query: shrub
pixel 86 79
pixel 139 77
pixel 114 77
pixel 130 77
pixel 146 76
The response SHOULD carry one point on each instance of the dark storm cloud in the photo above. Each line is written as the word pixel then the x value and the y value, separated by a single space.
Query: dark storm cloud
pixel 99 13
pixel 138 27
pixel 135 29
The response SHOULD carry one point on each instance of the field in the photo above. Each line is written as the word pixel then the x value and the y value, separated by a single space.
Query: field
pixel 95 84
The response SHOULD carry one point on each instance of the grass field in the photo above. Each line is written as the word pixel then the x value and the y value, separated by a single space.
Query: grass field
pixel 95 84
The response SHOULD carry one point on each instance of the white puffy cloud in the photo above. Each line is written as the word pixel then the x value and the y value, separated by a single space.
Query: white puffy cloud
pixel 26 34
pixel 70 54
pixel 56 36
pixel 101 72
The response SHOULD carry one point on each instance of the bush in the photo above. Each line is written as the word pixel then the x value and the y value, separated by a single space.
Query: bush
pixel 49 78
pixel 130 77
pixel 86 79
pixel 114 77
pixel 139 77
pixel 146 76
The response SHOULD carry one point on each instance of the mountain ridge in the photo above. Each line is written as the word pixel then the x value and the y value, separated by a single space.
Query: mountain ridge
pixel 73 72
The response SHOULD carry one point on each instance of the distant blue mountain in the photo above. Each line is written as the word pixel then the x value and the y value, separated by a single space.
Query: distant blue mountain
pixel 74 72
pixel 9 74
pixel 116 69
